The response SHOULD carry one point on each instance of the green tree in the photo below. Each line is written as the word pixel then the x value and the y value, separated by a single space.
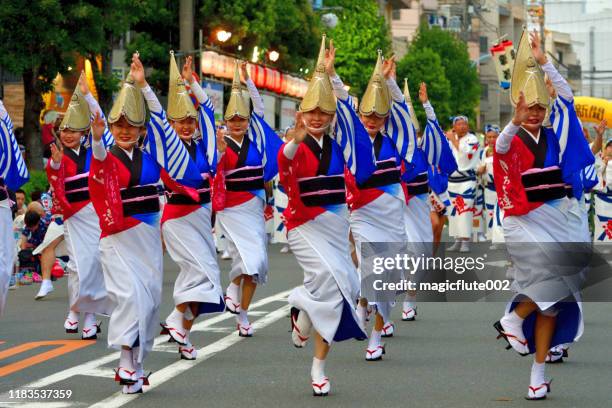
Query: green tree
pixel 155 34
pixel 41 40
pixel 360 32
pixel 117 17
pixel 424 65
pixel 289 27
pixel 462 74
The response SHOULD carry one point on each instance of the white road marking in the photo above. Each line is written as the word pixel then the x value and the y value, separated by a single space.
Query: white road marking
pixel 220 329
pixel 170 372
pixel 96 366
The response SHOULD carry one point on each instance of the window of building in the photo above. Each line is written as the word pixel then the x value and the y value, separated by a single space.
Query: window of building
pixel 484 45
pixel 396 14
pixel 484 92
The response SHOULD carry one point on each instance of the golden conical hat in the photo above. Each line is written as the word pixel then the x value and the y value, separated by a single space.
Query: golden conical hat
pixel 413 117
pixel 130 103
pixel 78 115
pixel 527 76
pixel 376 99
pixel 237 106
pixel 320 93
pixel 180 105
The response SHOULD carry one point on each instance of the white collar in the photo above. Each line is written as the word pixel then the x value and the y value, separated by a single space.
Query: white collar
pixel 319 140
pixel 237 142
pixel 77 150
pixel 129 153
pixel 535 138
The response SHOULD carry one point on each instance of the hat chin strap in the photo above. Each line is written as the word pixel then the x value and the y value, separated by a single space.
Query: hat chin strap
pixel 316 129
pixel 128 143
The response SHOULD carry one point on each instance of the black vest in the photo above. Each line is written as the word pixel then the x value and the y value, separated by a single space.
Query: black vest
pixel 381 177
pixel 322 189
pixel 542 185
pixel 136 199
pixel 180 199
pixel 242 178
pixel 418 185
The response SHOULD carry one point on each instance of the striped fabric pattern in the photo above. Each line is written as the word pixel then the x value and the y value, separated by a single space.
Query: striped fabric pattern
pixel 354 141
pixel 568 129
pixel 559 119
pixel 589 177
pixel 165 146
pixel 267 142
pixel 400 128
pixel 206 119
pixel 13 168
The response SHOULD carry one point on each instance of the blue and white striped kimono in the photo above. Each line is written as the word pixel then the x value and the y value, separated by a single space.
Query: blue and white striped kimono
pixel 462 187
pixel 377 220
pixel 602 221
pixel 532 238
pixel 321 245
pixel 564 120
pixel 433 150
pixel 187 226
pixel 13 174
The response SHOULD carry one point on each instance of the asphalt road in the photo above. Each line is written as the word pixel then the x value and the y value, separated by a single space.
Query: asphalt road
pixel 447 358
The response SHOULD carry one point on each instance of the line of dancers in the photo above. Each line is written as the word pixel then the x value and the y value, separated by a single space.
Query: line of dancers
pixel 352 174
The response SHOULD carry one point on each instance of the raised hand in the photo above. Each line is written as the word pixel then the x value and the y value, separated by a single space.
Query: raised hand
pixel 83 87
pixel 57 153
pixel 221 144
pixel 423 93
pixel 600 129
pixel 137 70
pixel 521 112
pixel 536 48
pixel 551 89
pixel 330 59
pixel 389 66
pixel 97 127
pixel 243 71
pixel 187 70
pixel 298 133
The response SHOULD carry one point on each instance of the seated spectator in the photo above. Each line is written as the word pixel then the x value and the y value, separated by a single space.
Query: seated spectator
pixel 41 236
pixel 20 199
pixel 36 223
pixel 35 195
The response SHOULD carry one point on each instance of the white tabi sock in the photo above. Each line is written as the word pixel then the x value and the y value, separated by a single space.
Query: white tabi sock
pixel 188 315
pixel 175 316
pixel 233 291
pixel 126 360
pixel 537 374
pixel 317 372
pixel 137 366
pixel 90 319
pixel 73 316
pixel 375 338
pixel 362 312
pixel 513 319
pixel 409 302
pixel 243 318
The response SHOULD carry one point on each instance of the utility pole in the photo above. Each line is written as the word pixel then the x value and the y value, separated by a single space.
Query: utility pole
pixel 592 58
pixel 542 34
pixel 186 26
pixel 465 25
